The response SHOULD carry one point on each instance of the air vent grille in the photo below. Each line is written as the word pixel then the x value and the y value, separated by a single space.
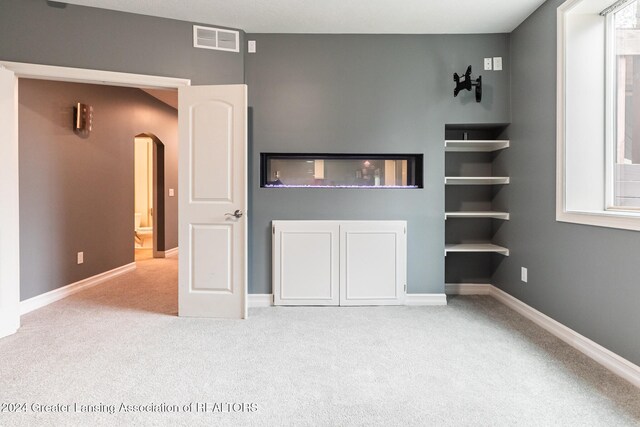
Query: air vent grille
pixel 216 38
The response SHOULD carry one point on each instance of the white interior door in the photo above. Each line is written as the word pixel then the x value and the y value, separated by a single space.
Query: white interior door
pixel 213 187
pixel 9 209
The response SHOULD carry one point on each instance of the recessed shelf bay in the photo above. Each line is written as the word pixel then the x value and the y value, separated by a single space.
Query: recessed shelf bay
pixel 477 214
pixel 464 145
pixel 474 166
pixel 476 180
pixel 475 248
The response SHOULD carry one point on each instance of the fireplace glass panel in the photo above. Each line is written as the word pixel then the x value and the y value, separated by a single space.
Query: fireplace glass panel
pixel 341 171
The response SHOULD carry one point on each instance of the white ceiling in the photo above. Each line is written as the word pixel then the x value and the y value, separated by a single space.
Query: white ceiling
pixel 338 16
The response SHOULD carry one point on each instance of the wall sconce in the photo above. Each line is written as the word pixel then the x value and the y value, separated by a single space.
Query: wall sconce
pixel 82 118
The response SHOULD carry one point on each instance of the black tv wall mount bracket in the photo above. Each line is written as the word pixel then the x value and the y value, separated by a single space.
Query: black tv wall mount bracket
pixel 466 82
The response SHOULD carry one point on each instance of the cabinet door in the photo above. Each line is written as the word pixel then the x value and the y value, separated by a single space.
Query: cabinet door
pixel 373 263
pixel 305 263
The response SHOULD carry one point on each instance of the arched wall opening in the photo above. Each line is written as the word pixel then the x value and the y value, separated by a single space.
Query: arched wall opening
pixel 158 189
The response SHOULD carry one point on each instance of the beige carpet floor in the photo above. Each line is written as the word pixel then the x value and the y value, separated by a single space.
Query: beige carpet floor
pixel 473 362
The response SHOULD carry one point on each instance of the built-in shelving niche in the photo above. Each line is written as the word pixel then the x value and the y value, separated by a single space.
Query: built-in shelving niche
pixel 476 181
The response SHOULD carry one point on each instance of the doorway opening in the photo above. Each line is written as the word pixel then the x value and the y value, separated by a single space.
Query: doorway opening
pixel 86 179
pixel 214 123
pixel 15 302
pixel 149 197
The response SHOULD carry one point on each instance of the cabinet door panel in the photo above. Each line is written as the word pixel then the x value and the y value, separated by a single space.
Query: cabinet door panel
pixel 372 263
pixel 305 263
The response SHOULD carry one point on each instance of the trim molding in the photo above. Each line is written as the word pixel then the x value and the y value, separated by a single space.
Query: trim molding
pixel 9 214
pixel 468 288
pixel 425 299
pixel 42 300
pixel 85 75
pixel 171 252
pixel 259 300
pixel 613 362
pixel 5 332
pixel 266 300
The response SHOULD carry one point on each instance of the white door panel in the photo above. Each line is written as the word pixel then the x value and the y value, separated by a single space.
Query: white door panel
pixel 212 164
pixel 9 210
pixel 214 243
pixel 212 173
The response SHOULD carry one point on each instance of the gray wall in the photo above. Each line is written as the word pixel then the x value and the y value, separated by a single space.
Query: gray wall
pixel 76 193
pixel 83 37
pixel 585 277
pixel 365 94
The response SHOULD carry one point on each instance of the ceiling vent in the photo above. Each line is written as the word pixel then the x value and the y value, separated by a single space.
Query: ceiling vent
pixel 216 38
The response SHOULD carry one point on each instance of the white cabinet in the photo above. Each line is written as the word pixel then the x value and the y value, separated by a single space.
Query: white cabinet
pixel 339 262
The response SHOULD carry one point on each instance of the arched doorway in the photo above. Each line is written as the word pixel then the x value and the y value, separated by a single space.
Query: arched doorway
pixel 157 205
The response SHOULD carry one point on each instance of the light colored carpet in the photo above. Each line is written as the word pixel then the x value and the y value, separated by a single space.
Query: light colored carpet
pixel 474 362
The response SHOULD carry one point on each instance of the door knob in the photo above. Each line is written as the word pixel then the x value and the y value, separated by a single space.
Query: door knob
pixel 238 214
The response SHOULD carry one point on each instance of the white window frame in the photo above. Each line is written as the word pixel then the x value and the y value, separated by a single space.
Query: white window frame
pixel 596 211
pixel 612 113
pixel 611 110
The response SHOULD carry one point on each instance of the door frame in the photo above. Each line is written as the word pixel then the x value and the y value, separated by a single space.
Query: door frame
pixel 11 283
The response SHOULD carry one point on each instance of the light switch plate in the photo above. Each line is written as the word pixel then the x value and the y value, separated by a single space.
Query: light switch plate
pixel 171 192
pixel 497 63
pixel 487 64
pixel 251 46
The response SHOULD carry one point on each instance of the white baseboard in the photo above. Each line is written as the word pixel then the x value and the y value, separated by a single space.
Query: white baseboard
pixel 171 252
pixel 425 299
pixel 266 300
pixel 616 364
pixel 468 288
pixel 42 300
pixel 259 300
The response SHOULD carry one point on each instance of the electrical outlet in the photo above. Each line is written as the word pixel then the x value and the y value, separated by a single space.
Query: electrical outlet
pixel 80 257
pixel 488 64
pixel 171 192
pixel 523 275
pixel 497 63
pixel 251 46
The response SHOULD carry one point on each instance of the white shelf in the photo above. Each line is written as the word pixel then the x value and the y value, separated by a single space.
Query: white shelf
pixel 475 248
pixel 486 146
pixel 476 180
pixel 477 214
